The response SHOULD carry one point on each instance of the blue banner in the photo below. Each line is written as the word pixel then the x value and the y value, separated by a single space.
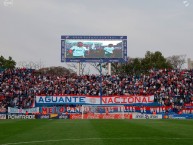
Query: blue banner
pixel 178 116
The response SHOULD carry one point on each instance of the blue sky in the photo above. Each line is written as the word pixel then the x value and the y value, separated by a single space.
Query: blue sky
pixel 30 30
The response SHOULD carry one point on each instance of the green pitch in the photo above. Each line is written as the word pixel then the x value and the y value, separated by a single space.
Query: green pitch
pixel 96 132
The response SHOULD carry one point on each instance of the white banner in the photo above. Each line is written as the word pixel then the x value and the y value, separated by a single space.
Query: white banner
pixel 2 116
pixel 146 116
pixel 20 116
pixel 16 110
pixel 94 100
pixel 67 100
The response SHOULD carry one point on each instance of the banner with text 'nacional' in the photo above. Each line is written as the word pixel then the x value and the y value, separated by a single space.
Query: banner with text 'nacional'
pixel 93 100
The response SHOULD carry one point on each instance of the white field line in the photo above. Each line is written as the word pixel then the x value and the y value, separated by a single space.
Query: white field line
pixel 79 139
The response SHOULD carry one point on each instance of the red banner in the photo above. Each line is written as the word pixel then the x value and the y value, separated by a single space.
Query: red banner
pixel 101 116
pixel 189 105
pixel 78 109
pixel 147 109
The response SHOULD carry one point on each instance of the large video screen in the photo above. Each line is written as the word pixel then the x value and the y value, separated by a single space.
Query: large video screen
pixel 93 48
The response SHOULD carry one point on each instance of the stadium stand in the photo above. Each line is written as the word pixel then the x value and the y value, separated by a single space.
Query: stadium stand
pixel 18 87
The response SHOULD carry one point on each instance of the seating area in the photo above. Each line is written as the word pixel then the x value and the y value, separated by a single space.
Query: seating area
pixel 18 87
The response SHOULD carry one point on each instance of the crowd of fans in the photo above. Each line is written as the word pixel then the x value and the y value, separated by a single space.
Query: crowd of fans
pixel 18 87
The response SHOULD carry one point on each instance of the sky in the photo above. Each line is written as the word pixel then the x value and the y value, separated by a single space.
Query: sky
pixel 30 30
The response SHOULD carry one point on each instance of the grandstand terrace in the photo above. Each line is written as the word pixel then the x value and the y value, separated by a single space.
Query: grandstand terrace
pixel 18 87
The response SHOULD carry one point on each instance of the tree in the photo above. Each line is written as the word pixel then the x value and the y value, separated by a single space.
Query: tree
pixel 2 61
pixel 177 61
pixel 30 64
pixel 74 66
pixel 58 71
pixel 7 63
pixel 155 61
pixel 136 66
pixel 97 66
pixel 116 68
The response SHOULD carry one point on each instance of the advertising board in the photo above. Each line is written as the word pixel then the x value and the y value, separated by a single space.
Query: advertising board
pixel 146 116
pixel 101 116
pixel 14 116
pixel 52 116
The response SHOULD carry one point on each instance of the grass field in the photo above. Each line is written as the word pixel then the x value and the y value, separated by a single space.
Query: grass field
pixel 96 132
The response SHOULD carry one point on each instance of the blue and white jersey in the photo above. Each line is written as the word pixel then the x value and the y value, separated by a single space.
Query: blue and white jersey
pixel 78 51
pixel 109 50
